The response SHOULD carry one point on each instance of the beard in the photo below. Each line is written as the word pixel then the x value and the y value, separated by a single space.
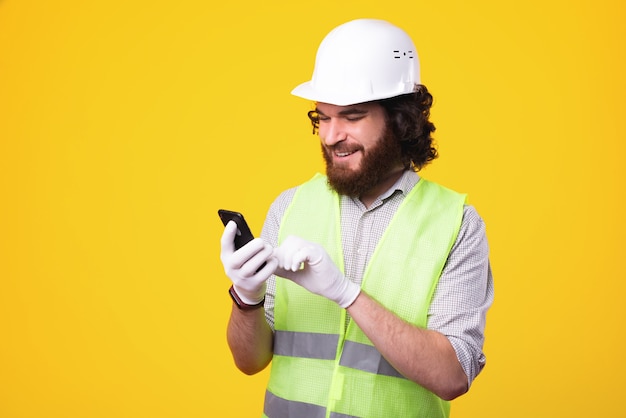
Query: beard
pixel 376 164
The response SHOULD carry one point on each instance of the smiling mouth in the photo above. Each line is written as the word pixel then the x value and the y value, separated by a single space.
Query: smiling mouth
pixel 344 153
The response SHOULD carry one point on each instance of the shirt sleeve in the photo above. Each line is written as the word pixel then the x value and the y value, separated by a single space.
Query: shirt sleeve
pixel 464 293
pixel 269 233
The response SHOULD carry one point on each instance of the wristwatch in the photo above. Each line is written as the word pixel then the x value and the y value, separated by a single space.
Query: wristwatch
pixel 240 304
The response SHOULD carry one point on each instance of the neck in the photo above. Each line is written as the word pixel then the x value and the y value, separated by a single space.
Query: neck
pixel 371 195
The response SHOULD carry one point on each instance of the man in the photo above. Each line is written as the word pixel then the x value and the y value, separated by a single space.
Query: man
pixel 373 298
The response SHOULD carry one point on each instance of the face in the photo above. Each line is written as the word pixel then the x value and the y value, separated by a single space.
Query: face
pixel 359 152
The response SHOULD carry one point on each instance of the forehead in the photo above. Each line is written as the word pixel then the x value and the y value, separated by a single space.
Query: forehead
pixel 332 110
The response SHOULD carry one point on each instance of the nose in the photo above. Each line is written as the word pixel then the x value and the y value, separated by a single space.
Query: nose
pixel 332 131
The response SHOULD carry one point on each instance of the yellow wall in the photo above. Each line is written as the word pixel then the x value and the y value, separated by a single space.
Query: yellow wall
pixel 124 126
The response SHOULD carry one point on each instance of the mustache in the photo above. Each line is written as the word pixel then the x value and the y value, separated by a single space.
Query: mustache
pixel 341 147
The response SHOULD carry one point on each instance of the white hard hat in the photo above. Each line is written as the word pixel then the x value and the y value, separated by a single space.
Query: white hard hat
pixel 360 61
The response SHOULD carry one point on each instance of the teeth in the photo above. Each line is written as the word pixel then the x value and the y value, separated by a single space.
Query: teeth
pixel 343 154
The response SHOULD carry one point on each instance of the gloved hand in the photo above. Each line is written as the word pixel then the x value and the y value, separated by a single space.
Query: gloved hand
pixel 309 265
pixel 241 266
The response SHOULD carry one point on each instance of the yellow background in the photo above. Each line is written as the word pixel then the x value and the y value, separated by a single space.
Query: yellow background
pixel 124 126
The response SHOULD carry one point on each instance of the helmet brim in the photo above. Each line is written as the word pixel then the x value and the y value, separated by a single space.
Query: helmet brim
pixel 309 92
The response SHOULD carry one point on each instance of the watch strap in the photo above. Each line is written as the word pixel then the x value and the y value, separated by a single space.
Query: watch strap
pixel 241 304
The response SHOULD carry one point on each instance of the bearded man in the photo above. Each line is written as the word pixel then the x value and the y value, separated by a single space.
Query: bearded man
pixel 376 284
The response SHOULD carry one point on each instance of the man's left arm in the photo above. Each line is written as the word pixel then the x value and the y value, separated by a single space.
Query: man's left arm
pixel 421 355
pixel 446 357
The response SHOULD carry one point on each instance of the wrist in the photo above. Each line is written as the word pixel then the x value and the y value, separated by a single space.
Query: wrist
pixel 244 302
pixel 349 294
pixel 250 296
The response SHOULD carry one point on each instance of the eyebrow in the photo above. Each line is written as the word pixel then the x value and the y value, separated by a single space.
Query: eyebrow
pixel 346 112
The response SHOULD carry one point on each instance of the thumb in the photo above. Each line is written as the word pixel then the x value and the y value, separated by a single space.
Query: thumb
pixel 228 238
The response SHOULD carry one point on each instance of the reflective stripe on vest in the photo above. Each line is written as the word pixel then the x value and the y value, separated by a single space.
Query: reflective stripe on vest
pixel 278 407
pixel 318 364
pixel 324 346
pixel 305 345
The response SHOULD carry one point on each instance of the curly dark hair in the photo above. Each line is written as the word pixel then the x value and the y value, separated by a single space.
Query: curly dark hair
pixel 408 118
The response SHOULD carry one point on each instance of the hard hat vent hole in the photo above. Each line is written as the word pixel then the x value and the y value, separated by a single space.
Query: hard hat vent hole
pixel 397 54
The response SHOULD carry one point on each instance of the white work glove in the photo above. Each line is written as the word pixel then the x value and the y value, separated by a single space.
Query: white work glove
pixel 309 265
pixel 242 266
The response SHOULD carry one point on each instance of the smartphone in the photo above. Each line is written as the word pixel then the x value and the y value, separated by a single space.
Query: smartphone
pixel 244 235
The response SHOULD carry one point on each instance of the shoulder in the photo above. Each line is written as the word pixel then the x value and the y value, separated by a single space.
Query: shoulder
pixel 283 200
pixel 472 229
pixel 471 219
pixel 275 214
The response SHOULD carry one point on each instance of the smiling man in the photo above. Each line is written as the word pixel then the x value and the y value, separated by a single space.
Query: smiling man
pixel 362 159
pixel 373 298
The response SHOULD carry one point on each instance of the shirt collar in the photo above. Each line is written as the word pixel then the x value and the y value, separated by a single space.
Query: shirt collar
pixel 404 184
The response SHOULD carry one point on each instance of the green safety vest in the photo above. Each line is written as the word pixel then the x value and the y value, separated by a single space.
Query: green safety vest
pixel 321 368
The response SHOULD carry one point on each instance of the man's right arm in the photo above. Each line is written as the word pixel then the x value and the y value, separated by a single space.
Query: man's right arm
pixel 250 339
pixel 248 334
